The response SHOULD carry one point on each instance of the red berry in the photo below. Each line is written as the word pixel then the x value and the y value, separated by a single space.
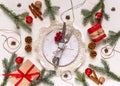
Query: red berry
pixel 88 71
pixel 29 19
pixel 58 36
pixel 98 15
pixel 19 60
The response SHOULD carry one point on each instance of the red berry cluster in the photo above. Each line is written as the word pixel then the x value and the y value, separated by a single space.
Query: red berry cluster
pixel 58 36
pixel 98 15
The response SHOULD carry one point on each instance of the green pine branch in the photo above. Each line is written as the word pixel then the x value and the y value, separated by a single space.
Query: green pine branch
pixel 8 67
pixel 105 70
pixel 17 19
pixel 44 78
pixel 81 78
pixel 50 11
pixel 89 16
pixel 112 38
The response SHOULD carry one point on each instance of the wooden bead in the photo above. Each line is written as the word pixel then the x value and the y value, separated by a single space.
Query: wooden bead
pixel 38 4
pixel 102 80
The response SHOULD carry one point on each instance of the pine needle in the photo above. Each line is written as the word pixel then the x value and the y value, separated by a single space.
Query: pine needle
pixel 81 78
pixel 50 11
pixel 112 38
pixel 44 78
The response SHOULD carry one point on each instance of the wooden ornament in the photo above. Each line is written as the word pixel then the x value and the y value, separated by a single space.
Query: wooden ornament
pixel 102 80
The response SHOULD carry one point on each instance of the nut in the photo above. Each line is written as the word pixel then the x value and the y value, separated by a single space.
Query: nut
pixel 38 4
pixel 93 54
pixel 91 45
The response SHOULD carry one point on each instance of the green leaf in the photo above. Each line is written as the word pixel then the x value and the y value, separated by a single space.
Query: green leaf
pixel 92 20
pixel 113 76
pixel 99 69
pixel 48 82
pixel 112 33
pixel 85 12
pixel 96 7
pixel 23 15
pixel 106 67
pixel 85 21
pixel 5 64
pixel 55 9
pixel 106 16
pixel 50 74
pixel 46 13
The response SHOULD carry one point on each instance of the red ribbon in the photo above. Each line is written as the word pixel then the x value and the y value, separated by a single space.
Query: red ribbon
pixel 21 75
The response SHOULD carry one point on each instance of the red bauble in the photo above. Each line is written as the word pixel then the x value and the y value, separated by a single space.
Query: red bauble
pixel 88 71
pixel 29 19
pixel 19 60
pixel 98 15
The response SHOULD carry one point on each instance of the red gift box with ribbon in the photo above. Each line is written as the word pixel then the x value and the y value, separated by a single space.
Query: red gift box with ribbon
pixel 96 33
pixel 24 75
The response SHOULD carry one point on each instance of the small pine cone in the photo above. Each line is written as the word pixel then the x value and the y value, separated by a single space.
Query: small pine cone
pixel 93 54
pixel 92 45
pixel 28 39
pixel 28 48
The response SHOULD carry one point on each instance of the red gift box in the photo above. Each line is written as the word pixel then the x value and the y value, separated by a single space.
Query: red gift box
pixel 96 33
pixel 24 75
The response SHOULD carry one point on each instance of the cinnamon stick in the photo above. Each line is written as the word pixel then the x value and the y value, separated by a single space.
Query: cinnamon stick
pixel 32 11
pixel 95 76
pixel 38 15
pixel 36 9
pixel 95 80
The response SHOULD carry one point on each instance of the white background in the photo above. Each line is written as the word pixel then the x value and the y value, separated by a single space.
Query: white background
pixel 112 24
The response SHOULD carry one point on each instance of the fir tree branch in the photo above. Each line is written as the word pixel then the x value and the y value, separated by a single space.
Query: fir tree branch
pixel 44 78
pixel 105 70
pixel 15 18
pixel 8 69
pixel 50 11
pixel 112 38
pixel 81 77
pixel 99 69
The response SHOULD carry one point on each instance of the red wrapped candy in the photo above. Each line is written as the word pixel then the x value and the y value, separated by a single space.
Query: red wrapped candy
pixel 96 33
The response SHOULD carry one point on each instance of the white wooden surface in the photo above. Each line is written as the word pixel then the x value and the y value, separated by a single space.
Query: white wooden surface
pixel 112 24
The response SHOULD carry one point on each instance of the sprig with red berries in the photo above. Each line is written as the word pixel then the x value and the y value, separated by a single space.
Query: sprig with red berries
pixel 95 15
pixel 17 19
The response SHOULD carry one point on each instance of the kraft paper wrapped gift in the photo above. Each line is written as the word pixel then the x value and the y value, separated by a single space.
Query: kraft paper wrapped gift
pixel 25 74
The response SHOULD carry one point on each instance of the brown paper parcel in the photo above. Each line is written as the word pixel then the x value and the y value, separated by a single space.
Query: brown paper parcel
pixel 24 68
